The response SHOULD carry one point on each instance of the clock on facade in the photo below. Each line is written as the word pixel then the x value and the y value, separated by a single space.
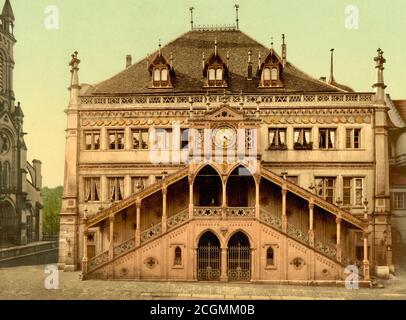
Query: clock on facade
pixel 224 137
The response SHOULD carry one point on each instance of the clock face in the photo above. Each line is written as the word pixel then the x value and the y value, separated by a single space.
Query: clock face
pixel 224 137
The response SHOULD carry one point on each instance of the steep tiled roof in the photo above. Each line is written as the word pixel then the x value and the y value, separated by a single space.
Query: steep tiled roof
pixel 187 51
pixel 401 107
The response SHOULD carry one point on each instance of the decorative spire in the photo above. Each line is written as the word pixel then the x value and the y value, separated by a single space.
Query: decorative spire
pixel 74 86
pixel 284 55
pixel 159 45
pixel 249 69
pixel 331 80
pixel 203 60
pixel 271 43
pixel 380 84
pixel 7 12
pixel 237 21
pixel 259 60
pixel 191 17
pixel 171 59
pixel 228 59
pixel 215 47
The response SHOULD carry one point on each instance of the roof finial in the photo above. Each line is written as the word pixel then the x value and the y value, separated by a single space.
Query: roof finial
pixel 272 43
pixel 191 16
pixel 171 59
pixel 237 6
pixel 249 55
pixel 259 60
pixel 331 80
pixel 159 45
pixel 284 55
pixel 203 60
pixel 215 47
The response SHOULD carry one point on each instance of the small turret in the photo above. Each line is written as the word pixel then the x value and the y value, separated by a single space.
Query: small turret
pixel 7 18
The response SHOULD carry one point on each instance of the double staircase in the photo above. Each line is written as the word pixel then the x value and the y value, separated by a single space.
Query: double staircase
pixel 268 219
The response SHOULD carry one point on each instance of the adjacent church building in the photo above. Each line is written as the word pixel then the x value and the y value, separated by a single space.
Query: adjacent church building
pixel 20 181
pixel 217 159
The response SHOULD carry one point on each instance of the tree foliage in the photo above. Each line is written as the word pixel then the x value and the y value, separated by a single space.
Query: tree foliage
pixel 52 198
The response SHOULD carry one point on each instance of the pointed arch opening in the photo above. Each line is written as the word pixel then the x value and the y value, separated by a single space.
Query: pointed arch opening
pixel 239 257
pixel 207 188
pixel 240 188
pixel 208 257
pixel 8 225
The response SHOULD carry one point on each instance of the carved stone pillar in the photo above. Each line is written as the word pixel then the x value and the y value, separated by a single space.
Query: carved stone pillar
pixel 224 199
pixel 164 214
pixel 366 261
pixel 257 208
pixel 191 200
pixel 111 238
pixel 223 274
pixel 85 259
pixel 311 223
pixel 138 224
pixel 338 239
pixel 284 218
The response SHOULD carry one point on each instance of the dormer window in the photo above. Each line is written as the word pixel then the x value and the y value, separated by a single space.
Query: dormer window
pixel 215 77
pixel 269 72
pixel 161 72
pixel 160 77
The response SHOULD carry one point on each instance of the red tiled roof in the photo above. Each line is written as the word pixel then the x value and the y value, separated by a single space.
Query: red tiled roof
pixel 187 51
pixel 401 107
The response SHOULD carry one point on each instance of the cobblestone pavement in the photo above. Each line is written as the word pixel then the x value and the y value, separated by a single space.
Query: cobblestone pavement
pixel 28 283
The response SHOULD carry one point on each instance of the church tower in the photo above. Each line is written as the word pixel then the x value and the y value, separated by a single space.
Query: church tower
pixel 7 42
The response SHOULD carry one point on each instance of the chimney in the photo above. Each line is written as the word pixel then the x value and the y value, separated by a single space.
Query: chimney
pixel 284 58
pixel 249 69
pixel 129 61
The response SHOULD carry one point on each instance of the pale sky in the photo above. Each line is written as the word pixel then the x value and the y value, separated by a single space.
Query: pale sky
pixel 104 31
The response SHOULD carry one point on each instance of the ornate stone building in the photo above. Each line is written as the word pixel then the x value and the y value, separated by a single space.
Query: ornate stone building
pixel 217 159
pixel 20 181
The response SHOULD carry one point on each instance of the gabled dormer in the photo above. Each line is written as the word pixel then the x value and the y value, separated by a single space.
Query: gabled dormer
pixel 162 73
pixel 270 71
pixel 215 71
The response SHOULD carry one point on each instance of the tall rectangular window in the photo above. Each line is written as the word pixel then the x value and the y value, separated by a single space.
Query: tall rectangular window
pixel 164 138
pixel 399 200
pixel 353 138
pixel 277 138
pixel 325 188
pixel 92 189
pixel 116 189
pixel 139 183
pixel 184 139
pixel 140 139
pixel 92 139
pixel 353 191
pixel 116 139
pixel 302 138
pixel 327 138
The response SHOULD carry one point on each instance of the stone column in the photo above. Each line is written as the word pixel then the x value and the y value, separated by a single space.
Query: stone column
pixel 257 208
pixel 223 275
pixel 311 223
pixel 366 261
pixel 284 218
pixel 85 259
pixel 224 199
pixel 138 224
pixel 111 247
pixel 338 239
pixel 111 238
pixel 164 213
pixel 191 202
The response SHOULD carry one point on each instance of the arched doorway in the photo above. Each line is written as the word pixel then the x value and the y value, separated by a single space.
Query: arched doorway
pixel 240 188
pixel 239 258
pixel 8 225
pixel 207 188
pixel 208 257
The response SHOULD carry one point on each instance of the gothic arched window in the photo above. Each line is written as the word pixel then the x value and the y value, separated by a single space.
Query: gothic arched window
pixel 178 256
pixel 274 75
pixel 1 71
pixel 6 175
pixel 270 260
pixel 267 74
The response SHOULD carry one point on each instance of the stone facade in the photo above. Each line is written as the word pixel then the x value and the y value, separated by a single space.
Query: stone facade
pixel 198 164
pixel 20 181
